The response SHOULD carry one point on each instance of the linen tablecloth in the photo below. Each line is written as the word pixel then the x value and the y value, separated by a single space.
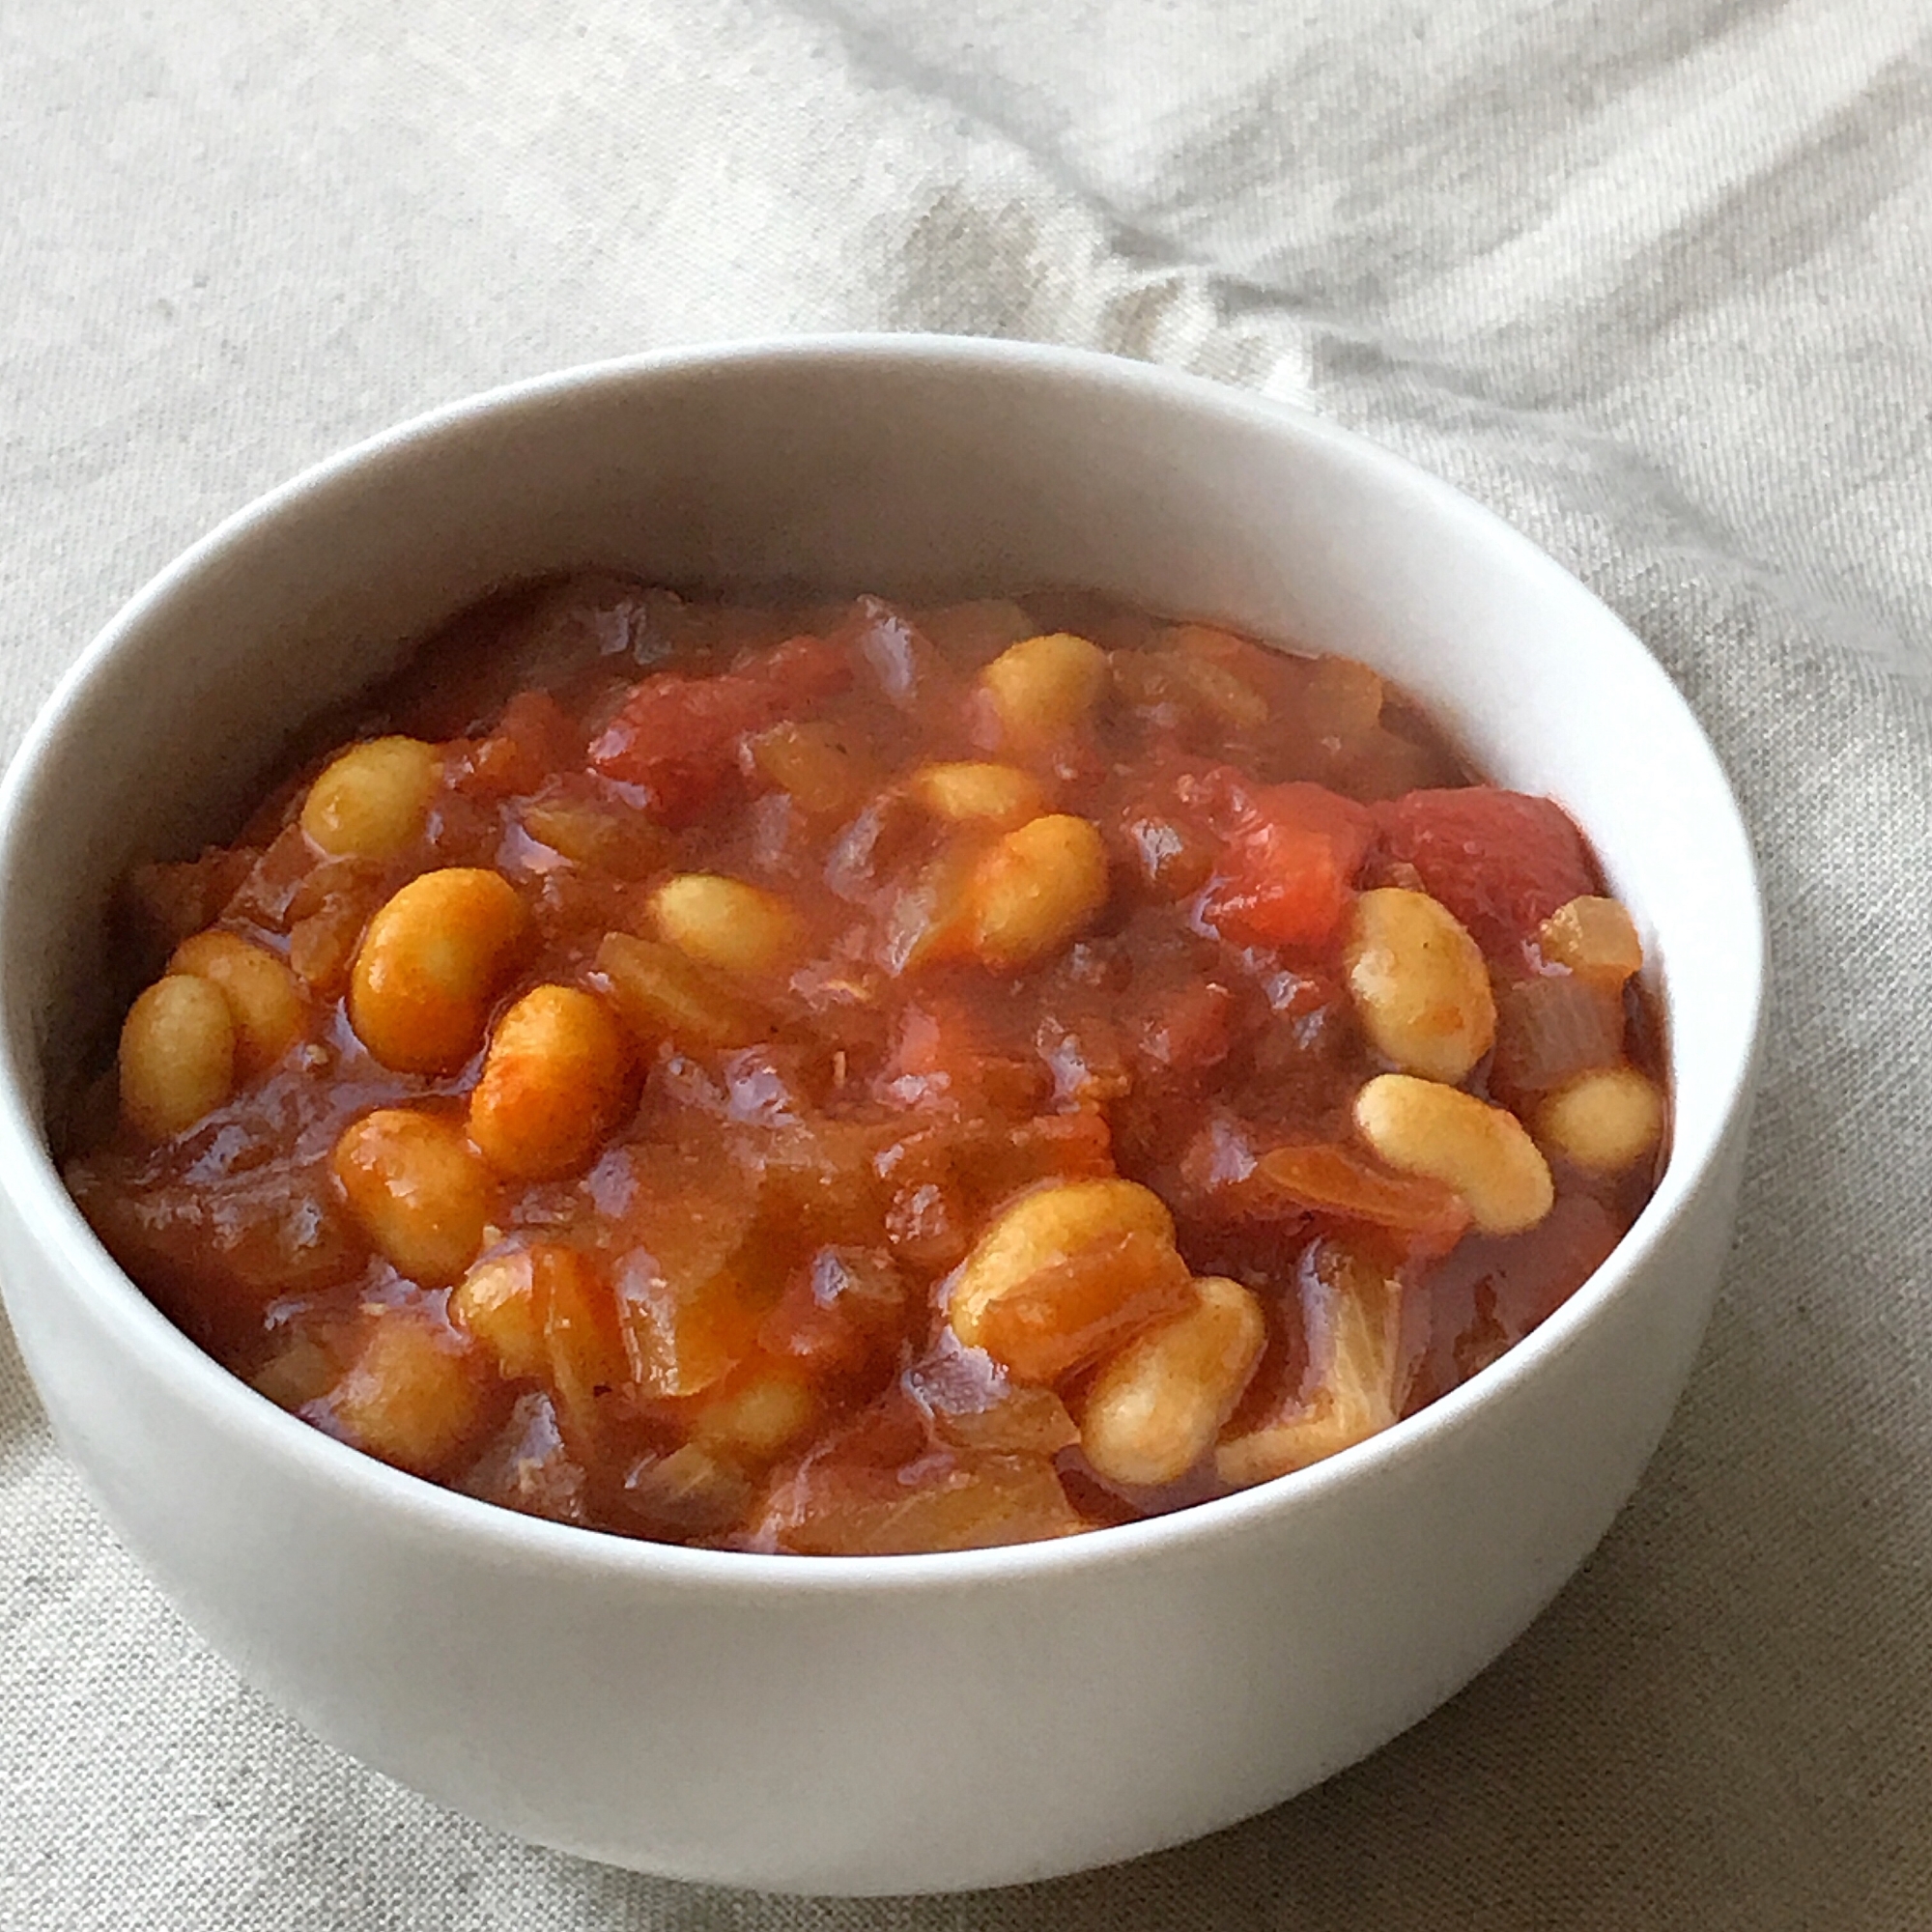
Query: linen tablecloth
pixel 1648 276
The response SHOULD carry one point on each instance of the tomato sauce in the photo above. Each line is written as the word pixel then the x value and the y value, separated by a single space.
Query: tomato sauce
pixel 914 1093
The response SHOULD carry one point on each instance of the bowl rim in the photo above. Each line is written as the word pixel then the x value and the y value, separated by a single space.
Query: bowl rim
pixel 256 1426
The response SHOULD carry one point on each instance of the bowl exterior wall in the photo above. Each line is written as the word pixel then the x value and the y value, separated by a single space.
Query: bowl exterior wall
pixel 867 1740
pixel 912 1726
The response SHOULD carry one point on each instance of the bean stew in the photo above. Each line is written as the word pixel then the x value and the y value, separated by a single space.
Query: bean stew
pixel 847 1078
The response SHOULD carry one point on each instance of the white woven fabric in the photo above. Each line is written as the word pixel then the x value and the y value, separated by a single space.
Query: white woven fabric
pixel 1650 279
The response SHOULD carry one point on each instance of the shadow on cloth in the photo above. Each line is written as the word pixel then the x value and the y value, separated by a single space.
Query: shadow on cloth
pixel 21 1416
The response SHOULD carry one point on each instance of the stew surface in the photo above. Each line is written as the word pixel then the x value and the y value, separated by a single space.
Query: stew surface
pixel 848 1079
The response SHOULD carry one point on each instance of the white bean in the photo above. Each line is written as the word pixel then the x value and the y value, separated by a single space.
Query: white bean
pixel 1606 1120
pixel 1153 1409
pixel 1035 888
pixel 728 924
pixel 373 800
pixel 177 1057
pixel 1420 987
pixel 1421 1127
pixel 429 965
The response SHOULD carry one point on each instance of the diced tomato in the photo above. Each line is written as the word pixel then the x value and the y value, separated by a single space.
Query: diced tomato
pixel 935 1057
pixel 1289 867
pixel 676 737
pixel 800 671
pixel 1502 861
pixel 1067 1147
pixel 908 669
pixel 839 1309
pixel 673 740
pixel 947 1055
pixel 534 736
pixel 820 1334
pixel 169 903
pixel 1188 1031
pixel 1171 827
pixel 270 886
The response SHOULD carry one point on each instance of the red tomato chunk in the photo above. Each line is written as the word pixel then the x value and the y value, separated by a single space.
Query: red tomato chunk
pixel 1289 867
pixel 847 1079
pixel 1501 861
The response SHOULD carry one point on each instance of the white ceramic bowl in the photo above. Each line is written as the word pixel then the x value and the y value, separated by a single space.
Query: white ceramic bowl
pixel 894 1723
